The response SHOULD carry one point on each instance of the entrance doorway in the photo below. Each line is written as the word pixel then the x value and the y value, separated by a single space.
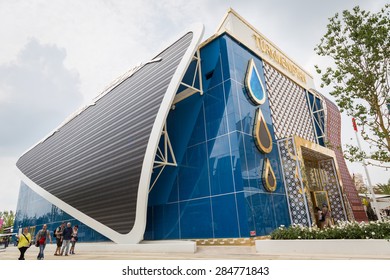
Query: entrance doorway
pixel 316 182
pixel 311 180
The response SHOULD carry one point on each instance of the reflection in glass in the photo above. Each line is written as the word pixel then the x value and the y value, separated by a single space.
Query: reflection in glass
pixel 253 84
pixel 269 178
pixel 261 133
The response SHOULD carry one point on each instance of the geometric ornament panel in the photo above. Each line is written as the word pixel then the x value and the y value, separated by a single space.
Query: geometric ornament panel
pixel 293 183
pixel 331 185
pixel 289 109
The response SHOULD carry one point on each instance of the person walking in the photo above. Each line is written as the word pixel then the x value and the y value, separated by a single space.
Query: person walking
pixel 74 239
pixel 66 237
pixel 58 234
pixel 24 242
pixel 42 237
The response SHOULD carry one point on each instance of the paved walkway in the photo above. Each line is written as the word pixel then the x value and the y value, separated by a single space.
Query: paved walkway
pixel 93 251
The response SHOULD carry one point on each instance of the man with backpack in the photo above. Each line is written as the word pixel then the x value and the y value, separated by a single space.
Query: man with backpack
pixel 58 235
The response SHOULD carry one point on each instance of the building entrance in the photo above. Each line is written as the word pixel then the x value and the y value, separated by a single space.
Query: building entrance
pixel 316 181
pixel 311 180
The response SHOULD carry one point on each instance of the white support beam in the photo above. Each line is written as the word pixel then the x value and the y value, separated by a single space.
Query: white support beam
pixel 164 157
pixel 191 89
pixel 184 94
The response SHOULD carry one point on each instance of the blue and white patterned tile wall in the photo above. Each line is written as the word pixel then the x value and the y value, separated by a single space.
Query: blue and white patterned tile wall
pixel 289 108
pixel 332 186
pixel 293 182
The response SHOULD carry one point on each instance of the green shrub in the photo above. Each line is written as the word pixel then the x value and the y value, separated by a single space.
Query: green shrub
pixel 343 230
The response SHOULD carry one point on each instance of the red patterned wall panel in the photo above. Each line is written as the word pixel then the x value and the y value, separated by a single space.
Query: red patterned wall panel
pixel 333 132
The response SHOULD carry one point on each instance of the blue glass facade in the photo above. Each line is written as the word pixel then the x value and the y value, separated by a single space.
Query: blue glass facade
pixel 217 189
pixel 34 211
pixel 318 116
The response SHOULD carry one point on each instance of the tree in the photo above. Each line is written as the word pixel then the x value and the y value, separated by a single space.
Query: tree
pixel 8 217
pixel 358 44
pixel 383 188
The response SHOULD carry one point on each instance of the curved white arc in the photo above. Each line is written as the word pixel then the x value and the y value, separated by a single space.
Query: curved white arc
pixel 137 233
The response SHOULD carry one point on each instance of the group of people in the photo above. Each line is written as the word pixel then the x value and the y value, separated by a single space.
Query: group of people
pixel 324 216
pixel 65 235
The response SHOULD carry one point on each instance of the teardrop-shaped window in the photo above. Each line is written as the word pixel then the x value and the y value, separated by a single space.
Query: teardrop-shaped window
pixel 261 133
pixel 269 179
pixel 254 85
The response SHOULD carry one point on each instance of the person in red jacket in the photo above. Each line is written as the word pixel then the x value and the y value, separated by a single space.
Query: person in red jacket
pixel 41 238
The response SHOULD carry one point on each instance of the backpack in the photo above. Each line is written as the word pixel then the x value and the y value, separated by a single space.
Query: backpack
pixel 54 232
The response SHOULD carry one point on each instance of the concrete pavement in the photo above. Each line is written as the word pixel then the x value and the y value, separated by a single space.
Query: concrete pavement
pixel 111 251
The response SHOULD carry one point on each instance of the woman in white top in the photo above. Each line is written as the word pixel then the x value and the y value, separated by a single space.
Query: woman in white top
pixel 74 238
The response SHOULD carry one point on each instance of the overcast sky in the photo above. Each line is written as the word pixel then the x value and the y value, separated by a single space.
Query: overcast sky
pixel 57 55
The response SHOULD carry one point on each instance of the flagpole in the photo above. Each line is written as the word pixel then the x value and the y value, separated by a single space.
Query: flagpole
pixel 370 188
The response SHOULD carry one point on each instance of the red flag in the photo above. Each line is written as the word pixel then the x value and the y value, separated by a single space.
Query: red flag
pixel 354 124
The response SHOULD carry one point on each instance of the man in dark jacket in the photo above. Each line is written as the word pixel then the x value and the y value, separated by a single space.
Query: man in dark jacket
pixel 58 235
pixel 66 237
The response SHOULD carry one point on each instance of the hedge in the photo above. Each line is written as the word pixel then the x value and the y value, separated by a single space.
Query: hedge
pixel 343 230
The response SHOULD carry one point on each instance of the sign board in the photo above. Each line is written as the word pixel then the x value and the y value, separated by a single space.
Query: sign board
pixel 241 30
